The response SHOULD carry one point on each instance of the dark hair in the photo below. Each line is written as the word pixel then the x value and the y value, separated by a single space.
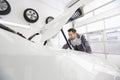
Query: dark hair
pixel 72 30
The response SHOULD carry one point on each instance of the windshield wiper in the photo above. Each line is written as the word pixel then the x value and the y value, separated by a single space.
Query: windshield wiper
pixel 30 38
pixel 11 30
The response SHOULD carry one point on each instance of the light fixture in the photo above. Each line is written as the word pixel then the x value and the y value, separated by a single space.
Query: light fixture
pixel 13 24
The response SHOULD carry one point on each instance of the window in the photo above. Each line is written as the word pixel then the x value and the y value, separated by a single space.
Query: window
pixel 112 22
pixel 113 41
pixel 81 30
pixel 110 6
pixel 95 4
pixel 96 41
pixel 95 26
pixel 95 36
pixel 113 34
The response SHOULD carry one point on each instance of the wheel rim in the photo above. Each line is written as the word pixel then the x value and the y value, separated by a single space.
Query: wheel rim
pixel 3 5
pixel 32 15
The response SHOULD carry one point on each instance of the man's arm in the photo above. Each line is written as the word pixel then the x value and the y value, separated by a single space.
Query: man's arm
pixel 86 44
pixel 65 46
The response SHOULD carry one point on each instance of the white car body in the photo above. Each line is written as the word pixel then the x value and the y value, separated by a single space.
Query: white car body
pixel 21 59
pixel 36 62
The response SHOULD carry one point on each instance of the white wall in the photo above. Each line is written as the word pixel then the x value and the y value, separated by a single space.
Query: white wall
pixel 97 31
pixel 93 9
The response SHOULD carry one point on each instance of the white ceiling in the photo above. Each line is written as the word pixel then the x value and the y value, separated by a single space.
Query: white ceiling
pixel 56 4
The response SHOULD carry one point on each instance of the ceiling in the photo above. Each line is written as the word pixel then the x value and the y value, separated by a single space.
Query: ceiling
pixel 56 4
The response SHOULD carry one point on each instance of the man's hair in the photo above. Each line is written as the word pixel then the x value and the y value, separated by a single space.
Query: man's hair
pixel 72 30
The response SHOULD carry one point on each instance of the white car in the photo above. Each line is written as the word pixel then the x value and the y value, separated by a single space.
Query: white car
pixel 21 59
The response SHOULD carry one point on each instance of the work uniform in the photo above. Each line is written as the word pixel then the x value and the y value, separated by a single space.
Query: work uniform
pixel 79 44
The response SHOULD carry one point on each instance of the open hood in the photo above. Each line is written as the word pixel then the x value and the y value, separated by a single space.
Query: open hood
pixel 52 28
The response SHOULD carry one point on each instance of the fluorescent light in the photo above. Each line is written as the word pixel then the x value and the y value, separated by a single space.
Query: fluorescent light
pixel 13 24
pixel 72 3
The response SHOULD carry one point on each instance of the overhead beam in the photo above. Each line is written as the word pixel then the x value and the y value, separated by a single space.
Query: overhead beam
pixel 101 16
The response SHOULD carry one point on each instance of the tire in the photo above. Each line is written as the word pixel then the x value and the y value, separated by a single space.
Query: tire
pixel 31 15
pixel 5 7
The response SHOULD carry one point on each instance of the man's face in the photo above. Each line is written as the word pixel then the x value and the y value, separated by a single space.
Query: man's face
pixel 72 35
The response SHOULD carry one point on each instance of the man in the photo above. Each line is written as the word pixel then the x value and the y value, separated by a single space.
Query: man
pixel 78 42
